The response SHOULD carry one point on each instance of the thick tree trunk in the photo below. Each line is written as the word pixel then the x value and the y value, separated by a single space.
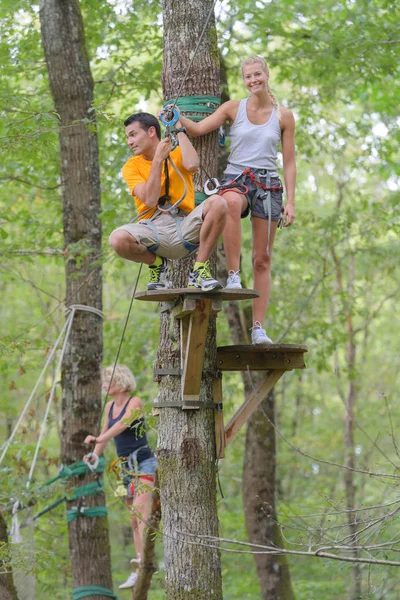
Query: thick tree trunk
pixel 186 441
pixel 7 587
pixel 72 89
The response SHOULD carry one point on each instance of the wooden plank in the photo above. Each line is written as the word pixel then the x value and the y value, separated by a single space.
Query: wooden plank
pixel 193 355
pixel 261 358
pixel 251 404
pixel 219 420
pixel 167 295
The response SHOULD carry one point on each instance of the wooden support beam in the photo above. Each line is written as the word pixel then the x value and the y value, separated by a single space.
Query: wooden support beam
pixel 219 419
pixel 252 403
pixel 261 358
pixel 194 328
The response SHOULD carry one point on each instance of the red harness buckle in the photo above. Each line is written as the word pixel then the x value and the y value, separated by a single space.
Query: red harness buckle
pixel 131 487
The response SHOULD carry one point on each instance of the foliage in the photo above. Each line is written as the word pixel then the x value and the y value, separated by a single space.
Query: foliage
pixel 335 64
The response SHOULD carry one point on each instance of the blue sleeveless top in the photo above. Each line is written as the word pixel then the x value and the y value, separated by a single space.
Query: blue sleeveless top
pixel 132 438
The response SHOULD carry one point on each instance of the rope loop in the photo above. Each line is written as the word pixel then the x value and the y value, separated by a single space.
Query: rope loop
pixel 84 307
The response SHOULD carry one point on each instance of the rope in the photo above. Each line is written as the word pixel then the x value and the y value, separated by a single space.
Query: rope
pixel 10 439
pixel 92 590
pixel 67 325
pixel 50 400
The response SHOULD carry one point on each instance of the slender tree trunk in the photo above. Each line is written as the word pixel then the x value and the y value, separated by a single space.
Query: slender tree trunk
pixel 259 477
pixel 7 587
pixel 186 441
pixel 72 89
pixel 354 592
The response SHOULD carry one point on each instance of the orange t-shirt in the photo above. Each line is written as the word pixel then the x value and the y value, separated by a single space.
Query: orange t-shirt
pixel 137 170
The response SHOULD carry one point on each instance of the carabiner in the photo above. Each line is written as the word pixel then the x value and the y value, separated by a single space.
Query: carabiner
pixel 213 181
pixel 169 116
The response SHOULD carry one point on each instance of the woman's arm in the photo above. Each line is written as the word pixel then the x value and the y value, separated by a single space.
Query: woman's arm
pixel 118 427
pixel 289 163
pixel 226 112
pixel 89 439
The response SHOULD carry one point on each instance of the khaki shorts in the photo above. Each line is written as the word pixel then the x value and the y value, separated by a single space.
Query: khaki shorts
pixel 170 243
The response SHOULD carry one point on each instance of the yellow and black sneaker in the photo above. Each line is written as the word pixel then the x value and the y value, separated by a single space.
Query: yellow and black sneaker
pixel 159 274
pixel 200 277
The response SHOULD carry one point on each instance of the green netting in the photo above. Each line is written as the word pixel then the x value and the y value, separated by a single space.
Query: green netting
pixel 92 590
pixel 93 511
pixel 205 105
pixel 77 468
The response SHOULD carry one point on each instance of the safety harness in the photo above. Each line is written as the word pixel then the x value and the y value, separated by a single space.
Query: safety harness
pixel 164 202
pixel 262 179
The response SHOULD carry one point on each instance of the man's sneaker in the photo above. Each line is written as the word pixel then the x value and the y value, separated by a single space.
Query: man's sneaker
pixel 259 335
pixel 129 583
pixel 202 278
pixel 233 282
pixel 159 275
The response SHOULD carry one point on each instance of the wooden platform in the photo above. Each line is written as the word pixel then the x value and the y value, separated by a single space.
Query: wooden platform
pixel 167 295
pixel 261 357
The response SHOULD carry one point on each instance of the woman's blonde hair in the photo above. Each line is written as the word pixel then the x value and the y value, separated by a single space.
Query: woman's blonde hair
pixel 259 59
pixel 123 379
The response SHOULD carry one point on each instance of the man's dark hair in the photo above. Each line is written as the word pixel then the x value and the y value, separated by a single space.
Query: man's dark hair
pixel 146 121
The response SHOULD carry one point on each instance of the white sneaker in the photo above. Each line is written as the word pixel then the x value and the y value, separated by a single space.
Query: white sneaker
pixel 129 583
pixel 233 282
pixel 259 335
pixel 135 561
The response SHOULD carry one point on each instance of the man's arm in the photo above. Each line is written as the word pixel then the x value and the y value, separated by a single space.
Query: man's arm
pixel 150 191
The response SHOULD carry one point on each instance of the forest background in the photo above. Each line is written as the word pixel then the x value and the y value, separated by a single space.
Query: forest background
pixel 336 286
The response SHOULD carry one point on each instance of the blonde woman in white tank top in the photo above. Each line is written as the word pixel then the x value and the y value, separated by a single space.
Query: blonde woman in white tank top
pixel 261 111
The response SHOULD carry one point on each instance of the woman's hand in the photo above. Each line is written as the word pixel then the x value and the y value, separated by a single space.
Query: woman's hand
pixel 90 439
pixel 288 215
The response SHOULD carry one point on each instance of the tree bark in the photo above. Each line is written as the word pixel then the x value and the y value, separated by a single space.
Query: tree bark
pixel 72 90
pixel 186 441
pixel 354 591
pixel 7 587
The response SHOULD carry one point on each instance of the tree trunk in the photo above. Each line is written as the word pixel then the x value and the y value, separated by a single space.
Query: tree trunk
pixel 7 587
pixel 186 441
pixel 72 90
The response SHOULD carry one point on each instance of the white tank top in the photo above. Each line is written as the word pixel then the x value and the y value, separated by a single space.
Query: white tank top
pixel 254 146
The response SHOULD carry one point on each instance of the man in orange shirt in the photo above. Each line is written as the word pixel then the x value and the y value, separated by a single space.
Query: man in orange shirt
pixel 162 231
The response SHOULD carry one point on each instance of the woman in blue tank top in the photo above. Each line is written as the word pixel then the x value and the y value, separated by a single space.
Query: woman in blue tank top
pixel 258 125
pixel 124 423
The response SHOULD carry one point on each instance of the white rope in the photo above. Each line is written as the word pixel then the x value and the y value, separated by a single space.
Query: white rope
pixel 91 309
pixel 10 439
pixel 70 318
pixel 67 324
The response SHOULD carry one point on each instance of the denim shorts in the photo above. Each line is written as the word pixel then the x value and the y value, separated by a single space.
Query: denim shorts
pixel 131 472
pixel 257 209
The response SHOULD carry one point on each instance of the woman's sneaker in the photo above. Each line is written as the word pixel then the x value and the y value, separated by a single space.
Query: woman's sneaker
pixel 159 275
pixel 129 583
pixel 200 277
pixel 233 282
pixel 259 335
